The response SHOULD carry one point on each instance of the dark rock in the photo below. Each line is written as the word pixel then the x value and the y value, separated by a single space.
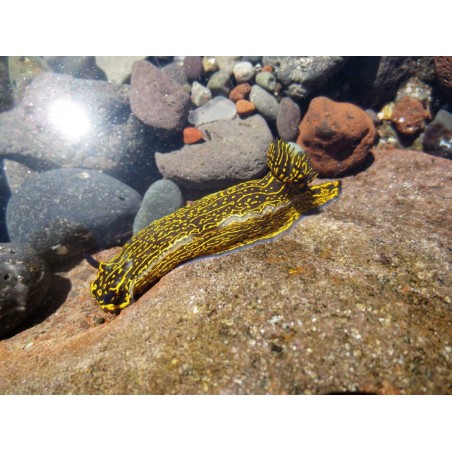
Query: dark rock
pixel 63 212
pixel 236 152
pixel 6 95
pixel 443 70
pixel 354 300
pixel 157 100
pixel 301 76
pixel 288 119
pixel 24 279
pixel 77 66
pixel 193 67
pixel 162 198
pixel 68 122
pixel 336 135
pixel 375 80
pixel 409 116
pixel 438 135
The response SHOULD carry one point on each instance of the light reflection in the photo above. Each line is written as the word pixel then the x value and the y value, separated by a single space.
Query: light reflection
pixel 69 118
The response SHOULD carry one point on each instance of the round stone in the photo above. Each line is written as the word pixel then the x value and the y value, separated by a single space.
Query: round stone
pixel 265 103
pixel 267 80
pixel 243 71
pixel 63 212
pixel 162 198
pixel 200 94
pixel 24 279
pixel 217 109
pixel 219 84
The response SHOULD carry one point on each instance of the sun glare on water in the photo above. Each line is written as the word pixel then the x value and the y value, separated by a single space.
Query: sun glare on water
pixel 69 118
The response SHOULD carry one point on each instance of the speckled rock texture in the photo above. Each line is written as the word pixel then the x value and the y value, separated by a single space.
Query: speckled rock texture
pixel 337 136
pixel 157 100
pixel 443 70
pixel 353 300
pixel 235 152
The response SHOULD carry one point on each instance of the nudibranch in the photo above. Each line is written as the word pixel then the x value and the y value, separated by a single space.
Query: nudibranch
pixel 241 215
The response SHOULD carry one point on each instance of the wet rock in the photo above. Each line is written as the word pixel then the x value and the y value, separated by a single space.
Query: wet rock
pixel 200 94
pixel 77 66
pixel 176 72
pixel 265 103
pixel 219 108
pixel 72 210
pixel 24 279
pixel 162 198
pixel 377 79
pixel 236 152
pixel 6 95
pixel 409 116
pixel 240 92
pixel 288 119
pixel 193 67
pixel 243 71
pixel 157 100
pixel 267 80
pixel 443 70
pixel 68 122
pixel 336 135
pixel 438 135
pixel 192 135
pixel 219 84
pixel 22 71
pixel 301 76
pixel 355 299
pixel 245 107
pixel 117 68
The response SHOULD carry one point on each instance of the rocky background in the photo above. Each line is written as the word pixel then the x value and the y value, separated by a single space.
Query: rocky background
pixel 355 299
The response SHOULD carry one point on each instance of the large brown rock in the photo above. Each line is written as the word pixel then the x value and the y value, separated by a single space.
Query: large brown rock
pixel 156 99
pixel 336 135
pixel 355 299
pixel 443 70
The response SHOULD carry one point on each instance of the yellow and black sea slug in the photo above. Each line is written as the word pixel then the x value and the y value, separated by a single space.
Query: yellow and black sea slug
pixel 243 214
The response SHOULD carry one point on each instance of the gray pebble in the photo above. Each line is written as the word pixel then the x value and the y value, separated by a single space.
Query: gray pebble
pixel 24 279
pixel 288 119
pixel 219 84
pixel 243 71
pixel 219 108
pixel 265 103
pixel 162 198
pixel 200 95
pixel 64 212
pixel 267 80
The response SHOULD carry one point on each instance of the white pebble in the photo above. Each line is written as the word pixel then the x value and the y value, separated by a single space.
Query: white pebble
pixel 243 71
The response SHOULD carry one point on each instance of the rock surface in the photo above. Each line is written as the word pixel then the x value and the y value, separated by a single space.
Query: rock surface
pixel 217 109
pixel 353 300
pixel 157 100
pixel 64 212
pixel 302 75
pixel 67 122
pixel 117 68
pixel 409 116
pixel 337 136
pixel 24 279
pixel 236 152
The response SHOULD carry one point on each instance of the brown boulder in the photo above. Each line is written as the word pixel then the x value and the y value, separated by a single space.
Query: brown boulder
pixel 336 135
pixel 443 70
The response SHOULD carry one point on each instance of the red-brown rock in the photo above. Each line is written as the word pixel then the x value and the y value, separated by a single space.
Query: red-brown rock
pixel 336 135
pixel 245 107
pixel 443 69
pixel 409 116
pixel 240 92
pixel 192 135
